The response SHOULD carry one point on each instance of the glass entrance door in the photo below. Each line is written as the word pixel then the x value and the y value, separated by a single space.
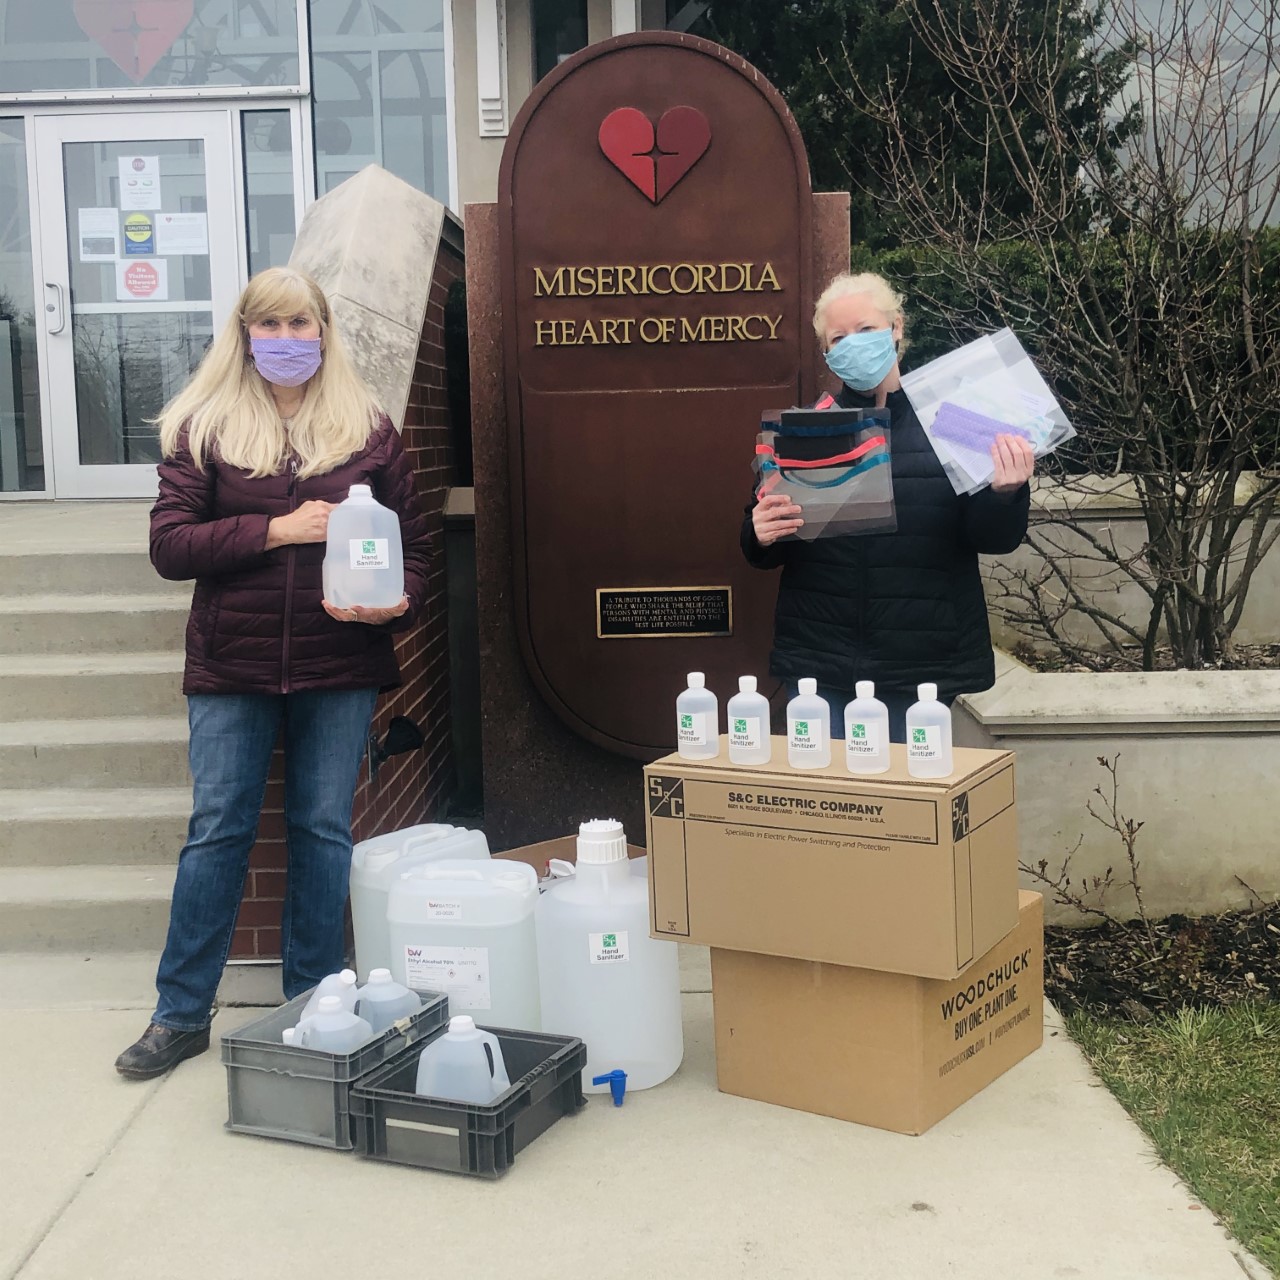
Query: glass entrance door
pixel 140 268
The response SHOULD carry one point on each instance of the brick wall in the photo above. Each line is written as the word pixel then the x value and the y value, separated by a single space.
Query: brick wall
pixel 409 788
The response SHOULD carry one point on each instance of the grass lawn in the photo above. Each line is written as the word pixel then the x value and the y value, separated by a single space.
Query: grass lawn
pixel 1205 1086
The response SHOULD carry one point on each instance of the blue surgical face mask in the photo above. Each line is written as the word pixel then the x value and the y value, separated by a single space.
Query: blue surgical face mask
pixel 863 360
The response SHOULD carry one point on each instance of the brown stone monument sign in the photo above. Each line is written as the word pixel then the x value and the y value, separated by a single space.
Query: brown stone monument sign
pixel 640 292
pixel 655 256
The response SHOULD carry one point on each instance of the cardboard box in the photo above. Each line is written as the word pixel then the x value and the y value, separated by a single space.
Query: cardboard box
pixel 878 1048
pixel 564 847
pixel 885 872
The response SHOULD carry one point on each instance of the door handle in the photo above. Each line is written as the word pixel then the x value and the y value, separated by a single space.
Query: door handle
pixel 58 307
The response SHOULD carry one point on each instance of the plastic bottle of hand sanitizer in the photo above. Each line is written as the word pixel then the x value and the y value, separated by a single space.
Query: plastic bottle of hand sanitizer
pixel 697 717
pixel 866 731
pixel 929 735
pixel 808 728
pixel 748 715
pixel 363 559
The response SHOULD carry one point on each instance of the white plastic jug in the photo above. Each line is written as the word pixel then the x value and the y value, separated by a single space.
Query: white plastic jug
pixel 383 1001
pixel 466 928
pixel 363 559
pixel 342 985
pixel 602 977
pixel 464 1065
pixel 378 863
pixel 332 1029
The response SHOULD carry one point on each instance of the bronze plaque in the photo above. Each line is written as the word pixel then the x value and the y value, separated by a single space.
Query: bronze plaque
pixel 632 613
pixel 654 218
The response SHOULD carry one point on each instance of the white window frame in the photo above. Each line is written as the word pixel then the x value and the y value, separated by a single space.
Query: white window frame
pixel 172 93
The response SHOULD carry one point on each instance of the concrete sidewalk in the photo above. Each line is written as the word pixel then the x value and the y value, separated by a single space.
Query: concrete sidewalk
pixel 1041 1176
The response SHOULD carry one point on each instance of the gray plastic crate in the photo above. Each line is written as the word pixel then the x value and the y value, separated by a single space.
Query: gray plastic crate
pixel 277 1091
pixel 395 1124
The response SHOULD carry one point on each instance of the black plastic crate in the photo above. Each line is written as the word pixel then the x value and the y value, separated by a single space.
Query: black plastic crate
pixel 395 1124
pixel 275 1090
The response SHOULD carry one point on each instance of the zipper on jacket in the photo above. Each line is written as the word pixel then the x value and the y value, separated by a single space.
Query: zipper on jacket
pixel 291 554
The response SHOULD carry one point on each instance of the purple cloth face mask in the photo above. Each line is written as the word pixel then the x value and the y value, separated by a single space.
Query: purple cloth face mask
pixel 286 362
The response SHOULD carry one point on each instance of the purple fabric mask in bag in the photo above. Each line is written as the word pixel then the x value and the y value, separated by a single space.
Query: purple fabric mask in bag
pixel 286 362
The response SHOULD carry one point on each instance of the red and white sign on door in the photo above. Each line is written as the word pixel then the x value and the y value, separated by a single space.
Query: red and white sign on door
pixel 145 281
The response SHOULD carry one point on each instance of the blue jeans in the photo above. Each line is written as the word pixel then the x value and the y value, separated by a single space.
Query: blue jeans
pixel 232 737
pixel 837 699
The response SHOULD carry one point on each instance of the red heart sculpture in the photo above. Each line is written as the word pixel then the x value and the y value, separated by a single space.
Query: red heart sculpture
pixel 134 34
pixel 654 161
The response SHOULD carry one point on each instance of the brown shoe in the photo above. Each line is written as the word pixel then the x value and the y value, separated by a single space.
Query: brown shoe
pixel 158 1049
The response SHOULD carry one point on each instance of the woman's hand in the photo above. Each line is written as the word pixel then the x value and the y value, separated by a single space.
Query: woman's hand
pixel 773 517
pixel 1015 461
pixel 310 523
pixel 357 613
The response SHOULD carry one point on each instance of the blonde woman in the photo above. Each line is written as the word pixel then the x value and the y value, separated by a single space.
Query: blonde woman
pixel 272 431
pixel 897 608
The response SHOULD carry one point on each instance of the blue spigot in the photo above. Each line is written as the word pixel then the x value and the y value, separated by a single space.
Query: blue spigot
pixel 617 1082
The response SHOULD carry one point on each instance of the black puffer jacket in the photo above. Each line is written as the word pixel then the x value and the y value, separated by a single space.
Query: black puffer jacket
pixel 895 608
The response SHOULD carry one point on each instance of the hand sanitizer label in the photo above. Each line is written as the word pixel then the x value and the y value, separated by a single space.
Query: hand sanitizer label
pixel 863 739
pixel 805 735
pixel 924 742
pixel 461 973
pixel 691 728
pixel 608 948
pixel 744 733
pixel 370 553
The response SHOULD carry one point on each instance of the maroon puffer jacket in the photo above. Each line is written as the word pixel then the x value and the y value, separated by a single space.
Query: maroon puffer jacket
pixel 256 623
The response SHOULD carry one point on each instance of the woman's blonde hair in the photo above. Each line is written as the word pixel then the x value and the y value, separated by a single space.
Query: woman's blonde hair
pixel 227 407
pixel 884 297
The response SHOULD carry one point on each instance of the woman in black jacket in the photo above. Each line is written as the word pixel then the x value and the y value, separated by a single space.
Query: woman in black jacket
pixel 897 608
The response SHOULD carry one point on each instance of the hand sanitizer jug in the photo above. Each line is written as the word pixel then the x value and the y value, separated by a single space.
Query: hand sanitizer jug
pixel 697 713
pixel 378 863
pixel 929 736
pixel 465 928
pixel 342 985
pixel 808 728
pixel 363 559
pixel 866 731
pixel 383 1001
pixel 602 977
pixel 463 1065
pixel 332 1029
pixel 748 716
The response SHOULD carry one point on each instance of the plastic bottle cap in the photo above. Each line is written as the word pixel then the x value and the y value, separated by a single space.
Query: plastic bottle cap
pixel 927 693
pixel 330 1004
pixel 462 1023
pixel 808 687
pixel 697 680
pixel 289 1034
pixel 360 491
pixel 602 840
pixel 379 976
pixel 865 689
pixel 348 977
pixel 746 684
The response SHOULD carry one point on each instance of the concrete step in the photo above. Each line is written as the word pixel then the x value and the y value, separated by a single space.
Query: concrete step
pixel 53 624
pixel 124 752
pixel 103 827
pixel 75 686
pixel 85 573
pixel 84 909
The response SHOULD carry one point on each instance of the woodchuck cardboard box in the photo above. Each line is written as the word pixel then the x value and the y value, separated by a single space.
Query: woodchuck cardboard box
pixel 877 1048
pixel 883 872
